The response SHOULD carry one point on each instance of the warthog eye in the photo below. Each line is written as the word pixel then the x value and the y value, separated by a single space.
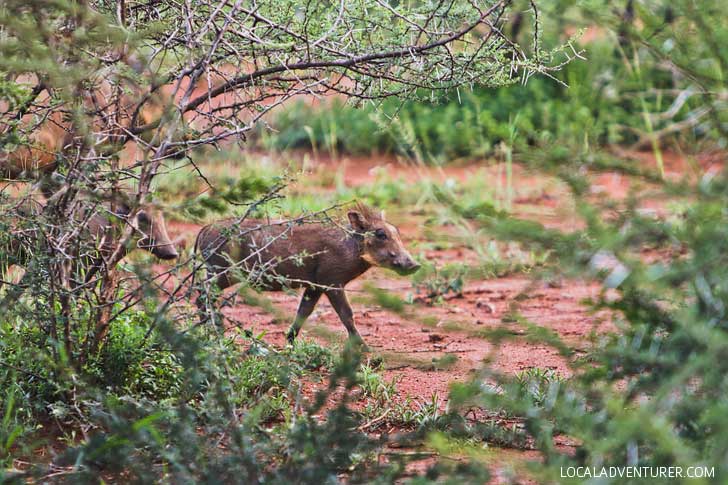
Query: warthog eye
pixel 381 235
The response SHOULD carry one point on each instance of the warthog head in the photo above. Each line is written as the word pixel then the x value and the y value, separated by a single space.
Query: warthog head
pixel 382 245
pixel 149 222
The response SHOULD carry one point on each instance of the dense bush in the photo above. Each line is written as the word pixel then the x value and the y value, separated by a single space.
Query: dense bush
pixel 132 362
pixel 650 393
pixel 188 407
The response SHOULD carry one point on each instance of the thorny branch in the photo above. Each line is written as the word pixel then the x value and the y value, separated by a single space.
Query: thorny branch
pixel 97 117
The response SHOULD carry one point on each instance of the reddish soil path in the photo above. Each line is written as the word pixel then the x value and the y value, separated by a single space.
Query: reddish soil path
pixel 411 343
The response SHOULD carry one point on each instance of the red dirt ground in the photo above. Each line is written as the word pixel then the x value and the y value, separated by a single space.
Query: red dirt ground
pixel 410 343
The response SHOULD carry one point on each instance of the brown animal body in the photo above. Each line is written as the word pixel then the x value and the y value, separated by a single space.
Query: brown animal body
pixel 150 235
pixel 111 109
pixel 319 257
pixel 150 232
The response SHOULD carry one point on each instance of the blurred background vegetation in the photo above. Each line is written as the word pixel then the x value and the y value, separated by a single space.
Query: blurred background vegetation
pixel 652 78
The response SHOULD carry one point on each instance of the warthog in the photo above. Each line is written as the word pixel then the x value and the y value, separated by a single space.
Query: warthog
pixel 321 258
pixel 150 231
pixel 150 235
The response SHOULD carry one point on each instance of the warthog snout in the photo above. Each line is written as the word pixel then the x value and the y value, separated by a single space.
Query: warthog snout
pixel 166 251
pixel 155 239
pixel 405 265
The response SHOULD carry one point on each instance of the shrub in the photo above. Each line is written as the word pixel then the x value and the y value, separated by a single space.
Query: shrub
pixel 650 393
pixel 613 98
pixel 134 361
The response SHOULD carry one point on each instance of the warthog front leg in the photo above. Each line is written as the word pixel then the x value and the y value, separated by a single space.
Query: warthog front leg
pixel 305 308
pixel 338 300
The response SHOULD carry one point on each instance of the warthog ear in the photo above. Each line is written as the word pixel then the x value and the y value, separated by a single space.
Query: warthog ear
pixel 358 222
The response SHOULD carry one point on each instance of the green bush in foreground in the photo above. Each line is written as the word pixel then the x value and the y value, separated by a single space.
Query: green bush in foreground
pixel 217 411
pixel 652 392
